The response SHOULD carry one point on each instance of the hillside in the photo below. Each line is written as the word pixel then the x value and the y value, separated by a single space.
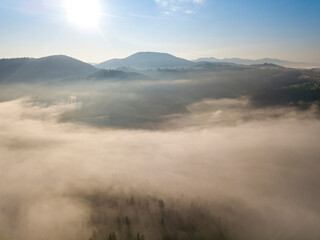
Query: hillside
pixel 46 68
pixel 116 75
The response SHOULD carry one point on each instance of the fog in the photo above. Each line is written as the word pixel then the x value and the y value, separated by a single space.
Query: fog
pixel 252 172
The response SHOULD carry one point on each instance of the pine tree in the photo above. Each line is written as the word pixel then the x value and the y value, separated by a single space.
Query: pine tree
pixel 127 221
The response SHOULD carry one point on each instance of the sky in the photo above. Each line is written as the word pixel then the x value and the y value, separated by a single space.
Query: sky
pixel 98 30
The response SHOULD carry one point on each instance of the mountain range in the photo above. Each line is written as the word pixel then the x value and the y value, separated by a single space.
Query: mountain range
pixel 279 62
pixel 154 60
pixel 63 67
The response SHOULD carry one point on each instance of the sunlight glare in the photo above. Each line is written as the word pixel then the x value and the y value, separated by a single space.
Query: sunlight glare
pixel 83 13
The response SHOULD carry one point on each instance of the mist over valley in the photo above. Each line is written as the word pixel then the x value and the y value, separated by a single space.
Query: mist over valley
pixel 206 151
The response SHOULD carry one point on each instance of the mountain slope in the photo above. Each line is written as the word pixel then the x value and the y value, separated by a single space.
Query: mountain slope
pixel 146 60
pixel 46 68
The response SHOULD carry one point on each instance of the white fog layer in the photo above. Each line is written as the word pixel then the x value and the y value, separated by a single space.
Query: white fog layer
pixel 257 170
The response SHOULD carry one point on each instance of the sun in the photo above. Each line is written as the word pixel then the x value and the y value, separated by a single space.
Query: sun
pixel 83 13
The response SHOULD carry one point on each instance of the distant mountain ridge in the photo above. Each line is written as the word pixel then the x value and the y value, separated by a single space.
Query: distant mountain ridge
pixel 283 63
pixel 154 60
pixel 51 67
pixel 63 67
pixel 146 60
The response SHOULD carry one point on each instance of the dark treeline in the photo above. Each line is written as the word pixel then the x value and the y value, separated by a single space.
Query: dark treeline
pixel 125 217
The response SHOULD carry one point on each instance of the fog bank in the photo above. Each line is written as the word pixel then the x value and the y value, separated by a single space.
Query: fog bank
pixel 256 170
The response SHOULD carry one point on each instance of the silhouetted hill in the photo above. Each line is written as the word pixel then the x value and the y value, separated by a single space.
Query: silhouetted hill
pixel 46 68
pixel 147 60
pixel 269 66
pixel 116 75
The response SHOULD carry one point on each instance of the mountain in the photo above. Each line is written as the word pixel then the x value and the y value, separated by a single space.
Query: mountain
pixel 283 63
pixel 46 68
pixel 146 60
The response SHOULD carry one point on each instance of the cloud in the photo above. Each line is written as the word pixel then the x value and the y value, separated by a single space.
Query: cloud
pixel 233 112
pixel 259 174
pixel 178 6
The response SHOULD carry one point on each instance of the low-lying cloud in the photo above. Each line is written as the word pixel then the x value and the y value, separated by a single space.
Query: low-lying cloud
pixel 257 170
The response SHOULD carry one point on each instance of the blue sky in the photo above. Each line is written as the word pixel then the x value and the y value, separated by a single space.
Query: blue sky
pixel 285 29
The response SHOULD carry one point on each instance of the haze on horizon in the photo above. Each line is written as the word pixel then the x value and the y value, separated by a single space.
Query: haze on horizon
pixel 288 29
